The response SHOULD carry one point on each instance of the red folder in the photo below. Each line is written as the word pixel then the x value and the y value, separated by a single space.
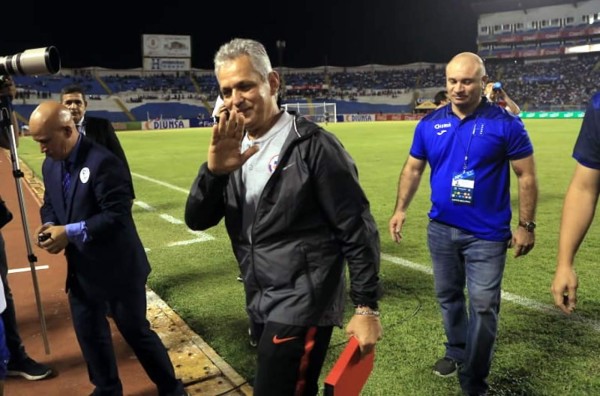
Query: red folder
pixel 349 373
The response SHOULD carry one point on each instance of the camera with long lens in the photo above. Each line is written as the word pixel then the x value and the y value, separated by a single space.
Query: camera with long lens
pixel 36 61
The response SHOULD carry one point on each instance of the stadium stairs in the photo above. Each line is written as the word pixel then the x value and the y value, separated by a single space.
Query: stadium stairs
pixel 116 99
pixel 205 102
pixel 122 106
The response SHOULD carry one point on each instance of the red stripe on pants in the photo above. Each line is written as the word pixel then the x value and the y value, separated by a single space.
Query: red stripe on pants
pixel 309 343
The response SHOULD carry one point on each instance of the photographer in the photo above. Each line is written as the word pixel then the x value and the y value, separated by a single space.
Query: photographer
pixel 5 217
pixel 20 363
pixel 7 87
pixel 496 94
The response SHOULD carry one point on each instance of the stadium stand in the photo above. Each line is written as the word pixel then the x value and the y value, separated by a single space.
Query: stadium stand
pixel 550 84
pixel 531 49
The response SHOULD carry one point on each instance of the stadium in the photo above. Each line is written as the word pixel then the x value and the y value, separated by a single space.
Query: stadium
pixel 547 63
pixel 547 56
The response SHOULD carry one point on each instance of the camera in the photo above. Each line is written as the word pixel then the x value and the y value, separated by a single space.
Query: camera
pixel 36 61
pixel 497 87
pixel 43 236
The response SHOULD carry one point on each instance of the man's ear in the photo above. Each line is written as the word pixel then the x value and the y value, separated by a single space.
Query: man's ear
pixel 274 82
pixel 484 81
pixel 68 130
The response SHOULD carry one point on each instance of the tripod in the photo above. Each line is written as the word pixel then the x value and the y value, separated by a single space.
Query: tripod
pixel 6 128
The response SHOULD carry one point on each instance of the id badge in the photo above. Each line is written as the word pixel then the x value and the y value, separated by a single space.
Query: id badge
pixel 463 185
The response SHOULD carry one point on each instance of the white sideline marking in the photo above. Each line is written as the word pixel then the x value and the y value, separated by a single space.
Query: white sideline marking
pixel 27 269
pixel 170 219
pixel 190 241
pixel 144 205
pixel 200 236
pixel 406 263
pixel 162 183
pixel 523 301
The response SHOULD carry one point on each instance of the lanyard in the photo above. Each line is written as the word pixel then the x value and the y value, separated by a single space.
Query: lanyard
pixel 466 160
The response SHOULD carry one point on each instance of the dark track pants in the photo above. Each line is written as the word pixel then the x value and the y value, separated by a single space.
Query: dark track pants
pixel 290 359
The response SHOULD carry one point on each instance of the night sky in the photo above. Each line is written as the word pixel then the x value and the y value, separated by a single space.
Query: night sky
pixel 332 32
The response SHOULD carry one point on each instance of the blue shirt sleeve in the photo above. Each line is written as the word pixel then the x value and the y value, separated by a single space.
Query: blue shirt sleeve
pixel 519 143
pixel 587 145
pixel 417 148
pixel 77 232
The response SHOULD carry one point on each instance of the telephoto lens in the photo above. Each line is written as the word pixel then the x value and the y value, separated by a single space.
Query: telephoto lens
pixel 38 61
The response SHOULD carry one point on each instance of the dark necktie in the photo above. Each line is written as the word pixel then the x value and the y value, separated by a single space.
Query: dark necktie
pixel 66 179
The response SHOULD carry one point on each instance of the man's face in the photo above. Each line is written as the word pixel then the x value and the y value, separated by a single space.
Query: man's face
pixel 464 83
pixel 244 90
pixel 76 105
pixel 51 138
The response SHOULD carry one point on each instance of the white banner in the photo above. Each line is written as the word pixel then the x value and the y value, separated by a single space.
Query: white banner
pixel 165 46
pixel 167 64
pixel 359 117
pixel 167 123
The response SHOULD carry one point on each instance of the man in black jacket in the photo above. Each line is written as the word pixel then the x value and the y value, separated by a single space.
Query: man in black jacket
pixel 295 213
pixel 100 130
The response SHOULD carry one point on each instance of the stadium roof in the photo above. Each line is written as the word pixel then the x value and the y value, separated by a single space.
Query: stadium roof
pixel 492 6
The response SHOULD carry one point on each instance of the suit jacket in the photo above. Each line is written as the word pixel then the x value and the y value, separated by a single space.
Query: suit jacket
pixel 113 256
pixel 101 131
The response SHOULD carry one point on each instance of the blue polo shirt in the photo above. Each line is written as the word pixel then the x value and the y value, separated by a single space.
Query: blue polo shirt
pixel 484 143
pixel 587 146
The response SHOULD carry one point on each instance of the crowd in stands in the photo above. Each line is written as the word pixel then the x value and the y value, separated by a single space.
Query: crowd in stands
pixel 565 83
pixel 349 85
pixel 166 97
pixel 545 85
pixel 174 84
pixel 562 84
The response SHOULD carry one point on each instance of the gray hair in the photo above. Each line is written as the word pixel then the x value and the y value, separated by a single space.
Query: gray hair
pixel 239 47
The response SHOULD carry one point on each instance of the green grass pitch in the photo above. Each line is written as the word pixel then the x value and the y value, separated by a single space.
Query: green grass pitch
pixel 539 352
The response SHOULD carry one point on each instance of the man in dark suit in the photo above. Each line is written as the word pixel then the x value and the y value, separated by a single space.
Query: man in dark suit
pixel 87 213
pixel 100 130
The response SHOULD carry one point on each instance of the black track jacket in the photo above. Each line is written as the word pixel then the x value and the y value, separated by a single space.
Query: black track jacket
pixel 312 215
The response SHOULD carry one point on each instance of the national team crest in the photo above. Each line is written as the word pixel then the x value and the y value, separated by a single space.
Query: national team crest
pixel 273 162
pixel 84 175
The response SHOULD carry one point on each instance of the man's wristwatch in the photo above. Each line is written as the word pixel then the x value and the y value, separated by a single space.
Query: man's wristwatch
pixel 528 225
